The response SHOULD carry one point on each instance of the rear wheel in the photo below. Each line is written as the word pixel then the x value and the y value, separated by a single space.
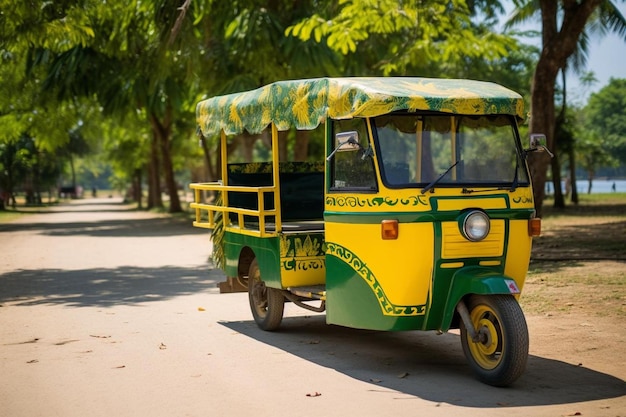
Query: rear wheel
pixel 267 304
pixel 498 356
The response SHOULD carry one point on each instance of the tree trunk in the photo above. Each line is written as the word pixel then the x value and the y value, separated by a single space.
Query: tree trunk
pixel 301 147
pixel 162 131
pixel 248 140
pixel 154 183
pixel 71 158
pixel 559 201
pixel 283 148
pixel 542 121
pixel 208 163
pixel 557 46
pixel 572 174
pixel 137 192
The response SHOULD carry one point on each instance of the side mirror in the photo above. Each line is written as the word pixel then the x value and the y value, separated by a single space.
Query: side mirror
pixel 345 141
pixel 538 140
pixel 538 143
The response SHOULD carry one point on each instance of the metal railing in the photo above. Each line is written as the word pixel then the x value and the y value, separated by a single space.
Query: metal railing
pixel 206 213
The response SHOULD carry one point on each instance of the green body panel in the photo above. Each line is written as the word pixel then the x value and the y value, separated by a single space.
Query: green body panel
pixel 286 260
pixel 421 217
pixel 474 280
pixel 266 250
pixel 445 279
pixel 350 301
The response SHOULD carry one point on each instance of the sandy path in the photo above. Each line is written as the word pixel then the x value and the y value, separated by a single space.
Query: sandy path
pixel 107 311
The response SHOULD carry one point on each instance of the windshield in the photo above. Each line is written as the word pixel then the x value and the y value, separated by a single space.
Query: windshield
pixel 416 150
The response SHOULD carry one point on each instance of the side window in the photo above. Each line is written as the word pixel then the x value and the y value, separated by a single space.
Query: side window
pixel 353 169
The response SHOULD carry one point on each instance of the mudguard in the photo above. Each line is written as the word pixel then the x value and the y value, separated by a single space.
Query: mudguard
pixel 475 280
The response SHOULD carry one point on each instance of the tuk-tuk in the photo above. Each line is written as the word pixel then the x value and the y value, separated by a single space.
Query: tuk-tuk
pixel 419 216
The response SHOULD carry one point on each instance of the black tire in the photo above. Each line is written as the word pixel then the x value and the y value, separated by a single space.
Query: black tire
pixel 499 357
pixel 267 304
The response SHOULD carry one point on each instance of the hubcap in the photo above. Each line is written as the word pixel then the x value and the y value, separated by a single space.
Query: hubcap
pixel 487 351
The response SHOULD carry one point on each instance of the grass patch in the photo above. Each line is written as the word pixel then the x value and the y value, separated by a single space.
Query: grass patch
pixel 578 263
pixel 7 216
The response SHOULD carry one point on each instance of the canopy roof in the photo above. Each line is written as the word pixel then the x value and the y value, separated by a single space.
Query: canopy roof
pixel 304 104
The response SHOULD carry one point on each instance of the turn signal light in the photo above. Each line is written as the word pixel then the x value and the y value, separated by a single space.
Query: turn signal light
pixel 534 227
pixel 389 229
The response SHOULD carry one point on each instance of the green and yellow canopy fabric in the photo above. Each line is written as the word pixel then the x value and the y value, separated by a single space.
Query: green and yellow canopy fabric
pixel 304 104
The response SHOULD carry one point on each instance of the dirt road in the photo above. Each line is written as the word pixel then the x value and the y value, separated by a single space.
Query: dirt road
pixel 106 311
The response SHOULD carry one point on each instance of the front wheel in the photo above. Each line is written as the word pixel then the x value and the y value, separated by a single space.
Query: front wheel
pixel 267 304
pixel 498 355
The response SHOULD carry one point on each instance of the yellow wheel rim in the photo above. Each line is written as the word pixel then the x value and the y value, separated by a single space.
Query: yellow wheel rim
pixel 488 351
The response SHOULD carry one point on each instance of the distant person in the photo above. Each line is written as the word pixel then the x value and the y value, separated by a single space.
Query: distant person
pixel 613 187
pixel 94 192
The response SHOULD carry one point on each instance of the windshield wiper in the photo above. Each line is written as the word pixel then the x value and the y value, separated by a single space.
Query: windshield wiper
pixel 439 178
pixel 515 177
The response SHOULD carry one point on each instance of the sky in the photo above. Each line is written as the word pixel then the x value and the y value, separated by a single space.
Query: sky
pixel 606 58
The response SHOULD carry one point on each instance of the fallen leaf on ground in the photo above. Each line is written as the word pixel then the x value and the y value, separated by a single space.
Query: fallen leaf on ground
pixel 201 309
pixel 403 375
pixel 162 346
pixel 375 380
pixel 65 342
pixel 35 340
pixel 33 361
pixel 120 367
pixel 315 394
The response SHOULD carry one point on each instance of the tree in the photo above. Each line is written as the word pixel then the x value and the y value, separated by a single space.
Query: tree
pixel 593 154
pixel 606 113
pixel 435 37
pixel 244 35
pixel 563 22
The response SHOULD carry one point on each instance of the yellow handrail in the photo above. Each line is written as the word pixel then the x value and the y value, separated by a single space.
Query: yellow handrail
pixel 209 210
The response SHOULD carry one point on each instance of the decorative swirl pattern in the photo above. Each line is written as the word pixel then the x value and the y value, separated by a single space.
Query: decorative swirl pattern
pixel 295 264
pixel 353 202
pixel 388 308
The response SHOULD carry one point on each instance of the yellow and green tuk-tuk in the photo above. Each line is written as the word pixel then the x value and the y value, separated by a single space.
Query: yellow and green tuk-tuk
pixel 419 216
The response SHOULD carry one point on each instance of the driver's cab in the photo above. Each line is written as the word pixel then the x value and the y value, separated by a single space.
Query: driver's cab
pixel 426 151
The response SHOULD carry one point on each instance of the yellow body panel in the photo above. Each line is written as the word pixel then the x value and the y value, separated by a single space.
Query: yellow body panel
pixel 302 261
pixel 403 267
pixel 518 252
pixel 304 271
pixel 455 246
pixel 483 203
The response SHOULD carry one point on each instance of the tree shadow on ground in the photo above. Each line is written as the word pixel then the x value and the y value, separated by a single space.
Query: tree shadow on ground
pixel 147 227
pixel 103 287
pixel 580 242
pixel 429 366
pixel 588 210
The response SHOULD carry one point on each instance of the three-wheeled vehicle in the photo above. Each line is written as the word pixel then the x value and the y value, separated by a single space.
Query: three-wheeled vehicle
pixel 419 216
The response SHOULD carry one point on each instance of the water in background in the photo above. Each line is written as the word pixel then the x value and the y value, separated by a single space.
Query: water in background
pixel 597 187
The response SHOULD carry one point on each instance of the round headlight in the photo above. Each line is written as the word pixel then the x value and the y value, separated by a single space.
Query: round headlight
pixel 475 225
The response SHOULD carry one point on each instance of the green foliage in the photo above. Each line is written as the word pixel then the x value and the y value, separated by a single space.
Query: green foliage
pixel 110 68
pixel 24 165
pixel 606 117
pixel 436 37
